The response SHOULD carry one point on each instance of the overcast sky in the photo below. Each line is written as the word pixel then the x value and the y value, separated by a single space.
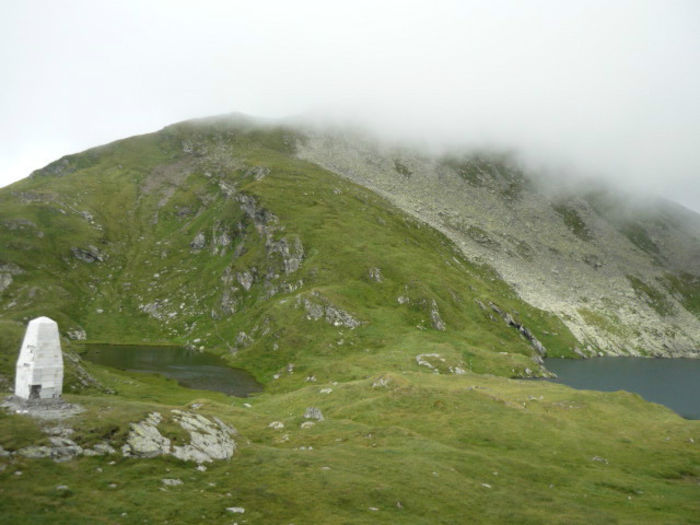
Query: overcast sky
pixel 609 89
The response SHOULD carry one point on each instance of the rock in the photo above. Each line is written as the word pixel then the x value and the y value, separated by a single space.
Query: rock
pixel 245 279
pixel 199 242
pixel 332 315
pixel 313 413
pixel 5 281
pixel 276 425
pixel 145 440
pixel 263 220
pixel 76 334
pixel 243 340
pixel 236 510
pixel 375 274
pixel 258 172
pixel 599 459
pixel 382 382
pixel 307 424
pixel 438 323
pixel 313 311
pixel 422 360
pixel 101 449
pixel 35 452
pixel 292 252
pixel 403 299
pixel 62 487
pixel 168 482
pixel 338 317
pixel 529 336
pixel 209 441
pixel 89 255
pixel 325 391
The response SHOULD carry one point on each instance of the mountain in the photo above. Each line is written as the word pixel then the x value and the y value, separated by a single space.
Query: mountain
pixel 622 273
pixel 403 296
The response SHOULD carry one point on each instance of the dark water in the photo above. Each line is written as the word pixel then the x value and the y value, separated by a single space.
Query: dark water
pixel 671 382
pixel 189 368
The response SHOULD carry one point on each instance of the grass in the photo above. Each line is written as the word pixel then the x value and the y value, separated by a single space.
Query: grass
pixel 573 221
pixel 686 287
pixel 653 297
pixel 638 236
pixel 426 448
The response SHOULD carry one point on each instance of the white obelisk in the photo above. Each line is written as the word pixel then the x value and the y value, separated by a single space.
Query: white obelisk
pixel 40 363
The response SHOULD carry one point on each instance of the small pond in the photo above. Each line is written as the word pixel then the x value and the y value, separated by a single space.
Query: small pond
pixel 671 382
pixel 189 368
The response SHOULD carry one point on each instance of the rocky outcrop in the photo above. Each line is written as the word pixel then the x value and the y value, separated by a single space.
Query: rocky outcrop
pixel 209 440
pixel 375 274
pixel 76 334
pixel 5 281
pixel 60 447
pixel 438 364
pixel 291 252
pixel 89 255
pixel 435 319
pixel 331 314
pixel 534 342
pixel 199 242
pixel 313 413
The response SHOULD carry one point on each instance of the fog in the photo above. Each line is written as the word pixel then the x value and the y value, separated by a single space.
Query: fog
pixel 600 89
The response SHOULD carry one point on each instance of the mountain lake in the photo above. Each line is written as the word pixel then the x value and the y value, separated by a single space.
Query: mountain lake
pixel 674 383
pixel 190 368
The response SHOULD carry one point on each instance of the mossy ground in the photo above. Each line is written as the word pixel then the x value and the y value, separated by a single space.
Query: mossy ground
pixel 426 448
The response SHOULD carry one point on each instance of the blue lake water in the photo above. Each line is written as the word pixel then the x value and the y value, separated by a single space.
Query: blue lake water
pixel 671 382
pixel 189 368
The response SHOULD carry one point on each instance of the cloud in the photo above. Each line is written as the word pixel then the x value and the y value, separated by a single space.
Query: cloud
pixel 606 89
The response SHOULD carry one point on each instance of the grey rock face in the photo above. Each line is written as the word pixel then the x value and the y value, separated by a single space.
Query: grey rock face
pixel 291 252
pixel 332 315
pixel 5 281
pixel 534 342
pixel 258 172
pixel 262 218
pixel 314 311
pixel 313 413
pixel 209 440
pixel 435 318
pixel 245 279
pixel 338 317
pixel 171 482
pixel 76 334
pixel 375 274
pixel 199 242
pixel 89 255
pixel 243 340
pixel 145 440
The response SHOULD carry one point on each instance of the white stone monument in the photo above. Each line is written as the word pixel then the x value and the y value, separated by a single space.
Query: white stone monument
pixel 40 363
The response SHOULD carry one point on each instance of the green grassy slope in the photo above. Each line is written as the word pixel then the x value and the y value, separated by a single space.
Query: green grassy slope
pixel 212 234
